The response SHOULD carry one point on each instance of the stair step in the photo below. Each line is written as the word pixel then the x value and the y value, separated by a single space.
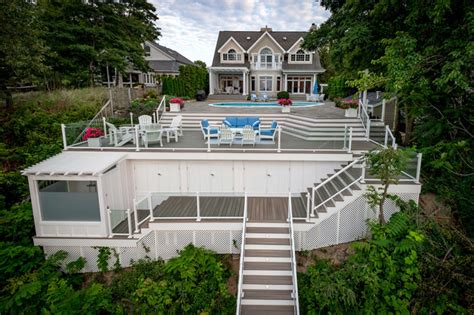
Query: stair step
pixel 267 224
pixel 267 309
pixel 267 235
pixel 267 253
pixel 267 247
pixel 266 273
pixel 275 287
pixel 268 302
pixel 268 241
pixel 268 295
pixel 265 230
pixel 267 259
pixel 259 279
pixel 266 266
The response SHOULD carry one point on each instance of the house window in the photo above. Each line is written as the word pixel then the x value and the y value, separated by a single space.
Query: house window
pixel 69 201
pixel 278 87
pixel 266 58
pixel 299 85
pixel 300 56
pixel 146 48
pixel 232 55
pixel 149 78
pixel 252 84
pixel 265 83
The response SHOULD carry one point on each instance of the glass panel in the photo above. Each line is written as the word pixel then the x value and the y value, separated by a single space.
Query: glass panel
pixel 290 85
pixel 69 206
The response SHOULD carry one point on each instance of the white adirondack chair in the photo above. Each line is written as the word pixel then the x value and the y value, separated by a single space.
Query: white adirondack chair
pixel 226 136
pixel 152 133
pixel 175 129
pixel 248 136
pixel 119 137
pixel 144 120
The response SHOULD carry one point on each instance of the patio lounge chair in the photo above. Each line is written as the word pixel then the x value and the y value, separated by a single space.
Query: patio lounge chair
pixel 152 133
pixel 226 136
pixel 119 137
pixel 269 134
pixel 145 120
pixel 208 131
pixel 253 97
pixel 321 97
pixel 248 136
pixel 312 97
pixel 174 129
pixel 265 97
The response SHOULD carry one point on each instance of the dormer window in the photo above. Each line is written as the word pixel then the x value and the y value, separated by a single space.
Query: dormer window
pixel 300 56
pixel 232 55
pixel 146 48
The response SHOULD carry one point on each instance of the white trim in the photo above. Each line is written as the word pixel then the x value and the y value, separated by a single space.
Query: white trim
pixel 84 241
pixel 296 43
pixel 155 47
pixel 231 38
pixel 309 72
pixel 260 38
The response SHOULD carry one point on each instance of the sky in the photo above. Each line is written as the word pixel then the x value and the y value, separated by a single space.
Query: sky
pixel 191 27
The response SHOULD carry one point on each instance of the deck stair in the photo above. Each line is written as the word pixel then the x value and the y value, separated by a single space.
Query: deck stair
pixel 303 127
pixel 266 284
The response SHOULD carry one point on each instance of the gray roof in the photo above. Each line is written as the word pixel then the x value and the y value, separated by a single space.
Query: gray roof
pixel 165 65
pixel 241 38
pixel 173 54
pixel 314 66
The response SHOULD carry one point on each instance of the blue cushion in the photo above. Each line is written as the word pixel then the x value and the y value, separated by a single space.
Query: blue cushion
pixel 274 124
pixel 230 121
pixel 227 123
pixel 241 122
pixel 204 123
pixel 267 132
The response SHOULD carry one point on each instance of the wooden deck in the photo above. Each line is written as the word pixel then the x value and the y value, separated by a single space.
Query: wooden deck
pixel 260 209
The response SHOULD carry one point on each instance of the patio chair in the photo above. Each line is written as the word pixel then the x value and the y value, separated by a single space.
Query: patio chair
pixel 265 97
pixel 152 133
pixel 175 129
pixel 248 136
pixel 270 133
pixel 207 131
pixel 226 136
pixel 253 97
pixel 119 136
pixel 321 97
pixel 145 120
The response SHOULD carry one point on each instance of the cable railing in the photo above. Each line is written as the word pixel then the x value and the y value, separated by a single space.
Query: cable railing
pixel 293 258
pixel 240 292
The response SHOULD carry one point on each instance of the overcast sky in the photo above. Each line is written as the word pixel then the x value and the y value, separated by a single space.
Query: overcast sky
pixel 191 27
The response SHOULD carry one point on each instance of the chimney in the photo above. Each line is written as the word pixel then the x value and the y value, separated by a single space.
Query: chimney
pixel 266 29
pixel 313 27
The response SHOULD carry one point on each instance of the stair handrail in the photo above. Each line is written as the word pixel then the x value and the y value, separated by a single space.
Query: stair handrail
pixel 331 178
pixel 162 102
pixel 365 115
pixel 242 251
pixel 293 258
pixel 389 134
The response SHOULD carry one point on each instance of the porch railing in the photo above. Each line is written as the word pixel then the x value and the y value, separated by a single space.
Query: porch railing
pixel 364 118
pixel 293 259
pixel 389 137
pixel 120 222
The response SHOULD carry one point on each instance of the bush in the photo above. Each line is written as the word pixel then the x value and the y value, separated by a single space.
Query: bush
pixel 283 94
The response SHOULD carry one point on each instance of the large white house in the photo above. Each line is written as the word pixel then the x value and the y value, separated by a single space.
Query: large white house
pixel 264 61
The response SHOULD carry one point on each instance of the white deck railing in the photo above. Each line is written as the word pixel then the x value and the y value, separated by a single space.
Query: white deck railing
pixel 162 107
pixel 117 216
pixel 293 258
pixel 364 118
pixel 389 135
pixel 240 293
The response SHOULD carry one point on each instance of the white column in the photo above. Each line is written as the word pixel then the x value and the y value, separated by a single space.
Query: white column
pixel 244 88
pixel 286 82
pixel 211 83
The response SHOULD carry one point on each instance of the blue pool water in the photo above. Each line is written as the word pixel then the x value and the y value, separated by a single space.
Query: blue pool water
pixel 264 104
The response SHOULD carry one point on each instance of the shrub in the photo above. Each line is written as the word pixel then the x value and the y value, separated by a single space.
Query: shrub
pixel 346 104
pixel 283 94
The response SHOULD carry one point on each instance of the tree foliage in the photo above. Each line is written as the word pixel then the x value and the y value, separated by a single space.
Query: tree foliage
pixel 191 79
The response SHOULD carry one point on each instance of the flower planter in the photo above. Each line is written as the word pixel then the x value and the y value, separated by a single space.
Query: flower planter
pixel 175 107
pixel 96 142
pixel 285 109
pixel 351 112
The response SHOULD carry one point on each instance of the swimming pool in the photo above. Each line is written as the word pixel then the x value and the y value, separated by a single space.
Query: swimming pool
pixel 264 104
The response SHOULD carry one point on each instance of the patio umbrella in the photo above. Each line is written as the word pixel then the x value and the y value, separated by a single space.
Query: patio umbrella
pixel 315 88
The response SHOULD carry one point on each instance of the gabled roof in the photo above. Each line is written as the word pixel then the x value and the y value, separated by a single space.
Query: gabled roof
pixel 164 66
pixel 172 53
pixel 271 37
pixel 231 39
pixel 285 39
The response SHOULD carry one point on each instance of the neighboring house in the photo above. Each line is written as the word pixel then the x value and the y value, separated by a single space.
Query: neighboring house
pixel 161 60
pixel 265 61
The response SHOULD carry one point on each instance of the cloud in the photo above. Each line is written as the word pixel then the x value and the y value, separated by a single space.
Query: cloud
pixel 191 27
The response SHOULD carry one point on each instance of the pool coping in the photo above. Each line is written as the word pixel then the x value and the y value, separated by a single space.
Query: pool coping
pixel 274 105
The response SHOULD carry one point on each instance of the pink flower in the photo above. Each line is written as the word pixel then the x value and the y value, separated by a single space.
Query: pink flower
pixel 92 133
pixel 285 102
pixel 177 100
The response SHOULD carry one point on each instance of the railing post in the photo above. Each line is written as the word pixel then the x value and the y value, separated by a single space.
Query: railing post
pixel 129 216
pixel 312 202
pixel 198 207
pixel 382 116
pixel 362 175
pixel 345 137
pixel 154 118
pixel 131 119
pixel 367 132
pixel 386 136
pixel 307 206
pixel 350 141
pixel 137 142
pixel 105 126
pixel 109 222
pixel 150 207
pixel 63 132
pixel 135 215
pixel 418 168
pixel 279 139
pixel 209 138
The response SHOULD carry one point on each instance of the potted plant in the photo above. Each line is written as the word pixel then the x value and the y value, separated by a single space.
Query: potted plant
pixel 285 104
pixel 94 137
pixel 176 104
pixel 350 107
